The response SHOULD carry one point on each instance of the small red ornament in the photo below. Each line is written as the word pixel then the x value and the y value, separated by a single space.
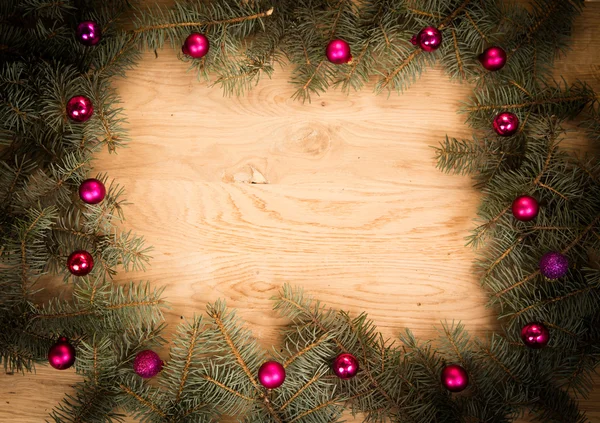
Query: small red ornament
pixel 61 355
pixel 88 33
pixel 535 335
pixel 428 39
pixel 80 108
pixel 92 191
pixel 493 58
pixel 271 374
pixel 506 124
pixel 80 263
pixel 147 364
pixel 455 378
pixel 345 366
pixel 338 52
pixel 525 208
pixel 196 45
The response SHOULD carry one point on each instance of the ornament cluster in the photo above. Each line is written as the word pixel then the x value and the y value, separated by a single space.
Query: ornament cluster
pixel 272 374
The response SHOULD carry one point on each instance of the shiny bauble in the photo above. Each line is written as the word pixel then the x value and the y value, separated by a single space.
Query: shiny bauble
pixel 535 335
pixel 88 33
pixel 61 355
pixel 506 124
pixel 428 39
pixel 338 52
pixel 525 208
pixel 345 366
pixel 196 45
pixel 92 191
pixel 80 263
pixel 493 58
pixel 271 374
pixel 455 378
pixel 80 108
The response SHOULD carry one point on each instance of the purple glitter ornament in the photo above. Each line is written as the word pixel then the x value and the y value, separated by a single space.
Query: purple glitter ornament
pixel 147 364
pixel 554 265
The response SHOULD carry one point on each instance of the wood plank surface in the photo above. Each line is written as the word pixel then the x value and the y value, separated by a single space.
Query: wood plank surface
pixel 340 196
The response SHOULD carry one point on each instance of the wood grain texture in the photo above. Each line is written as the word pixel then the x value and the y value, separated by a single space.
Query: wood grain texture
pixel 341 196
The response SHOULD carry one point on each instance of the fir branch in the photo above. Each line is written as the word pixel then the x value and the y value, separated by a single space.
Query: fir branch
pixel 227 388
pixel 215 314
pixel 313 410
pixel 536 273
pixel 453 15
pixel 188 359
pixel 143 401
pixel 147 28
pixel 313 319
pixel 323 338
pixel 549 301
pixel 405 62
pixel 526 104
pixel 311 381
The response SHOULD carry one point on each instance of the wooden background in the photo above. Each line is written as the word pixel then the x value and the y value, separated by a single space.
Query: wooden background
pixel 341 197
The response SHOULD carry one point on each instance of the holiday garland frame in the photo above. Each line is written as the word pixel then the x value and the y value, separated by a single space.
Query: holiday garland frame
pixel 47 159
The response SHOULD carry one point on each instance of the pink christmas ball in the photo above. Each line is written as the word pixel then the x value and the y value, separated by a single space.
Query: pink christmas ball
pixel 61 355
pixel 147 364
pixel 506 124
pixel 455 378
pixel 525 208
pixel 338 52
pixel 88 33
pixel 493 58
pixel 92 191
pixel 535 335
pixel 428 39
pixel 345 366
pixel 80 108
pixel 271 374
pixel 80 263
pixel 196 45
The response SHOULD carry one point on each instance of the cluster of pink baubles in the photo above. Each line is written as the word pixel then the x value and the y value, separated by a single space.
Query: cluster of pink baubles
pixel 272 374
pixel 196 45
